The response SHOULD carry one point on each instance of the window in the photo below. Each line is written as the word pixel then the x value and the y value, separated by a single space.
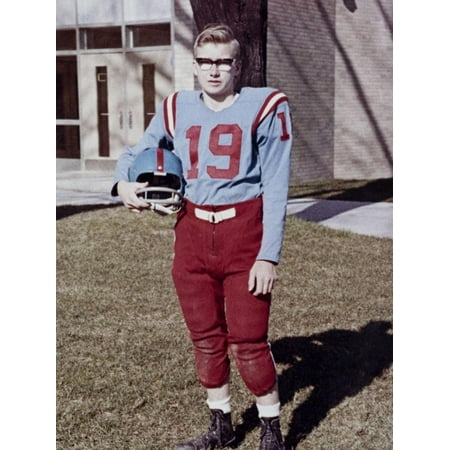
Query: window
pixel 66 87
pixel 67 134
pixel 103 37
pixel 68 141
pixel 148 35
pixel 66 40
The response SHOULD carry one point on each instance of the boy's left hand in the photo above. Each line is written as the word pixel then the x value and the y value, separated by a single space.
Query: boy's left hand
pixel 262 277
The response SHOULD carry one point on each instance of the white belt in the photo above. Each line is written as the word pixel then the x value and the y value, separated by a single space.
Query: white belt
pixel 215 217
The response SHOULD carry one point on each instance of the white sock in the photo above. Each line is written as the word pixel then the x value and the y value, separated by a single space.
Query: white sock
pixel 268 410
pixel 224 405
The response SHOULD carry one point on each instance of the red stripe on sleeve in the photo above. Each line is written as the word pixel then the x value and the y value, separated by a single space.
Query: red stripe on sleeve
pixel 170 109
pixel 174 110
pixel 264 112
pixel 166 114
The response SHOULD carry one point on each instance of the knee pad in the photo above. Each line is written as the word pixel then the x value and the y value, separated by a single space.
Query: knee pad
pixel 212 362
pixel 256 366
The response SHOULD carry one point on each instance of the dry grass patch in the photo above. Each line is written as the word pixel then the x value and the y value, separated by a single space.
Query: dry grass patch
pixel 125 374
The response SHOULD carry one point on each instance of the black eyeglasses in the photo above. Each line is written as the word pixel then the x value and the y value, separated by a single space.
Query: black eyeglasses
pixel 224 65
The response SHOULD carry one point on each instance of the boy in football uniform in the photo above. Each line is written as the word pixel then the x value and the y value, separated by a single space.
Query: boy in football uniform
pixel 235 151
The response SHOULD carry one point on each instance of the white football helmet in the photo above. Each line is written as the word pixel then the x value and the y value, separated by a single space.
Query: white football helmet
pixel 162 170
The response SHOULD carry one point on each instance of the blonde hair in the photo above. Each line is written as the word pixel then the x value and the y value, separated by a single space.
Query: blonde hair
pixel 218 33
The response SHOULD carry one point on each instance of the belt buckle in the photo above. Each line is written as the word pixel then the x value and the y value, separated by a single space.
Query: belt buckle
pixel 212 217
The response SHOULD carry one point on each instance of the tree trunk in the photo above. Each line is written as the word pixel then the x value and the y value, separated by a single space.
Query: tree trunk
pixel 248 20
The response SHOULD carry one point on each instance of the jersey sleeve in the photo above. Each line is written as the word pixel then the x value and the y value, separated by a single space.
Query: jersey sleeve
pixel 159 133
pixel 274 141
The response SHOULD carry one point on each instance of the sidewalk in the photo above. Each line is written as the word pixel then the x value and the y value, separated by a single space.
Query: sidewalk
pixel 84 188
pixel 371 219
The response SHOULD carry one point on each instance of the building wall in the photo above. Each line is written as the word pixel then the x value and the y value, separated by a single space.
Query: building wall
pixel 123 55
pixel 183 39
pixel 363 98
pixel 333 58
pixel 300 61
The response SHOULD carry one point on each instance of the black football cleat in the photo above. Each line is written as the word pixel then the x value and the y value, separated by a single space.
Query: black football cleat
pixel 270 437
pixel 220 434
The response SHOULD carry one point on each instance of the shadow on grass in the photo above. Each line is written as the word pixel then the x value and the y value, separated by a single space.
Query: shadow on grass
pixel 70 210
pixel 373 191
pixel 378 190
pixel 336 364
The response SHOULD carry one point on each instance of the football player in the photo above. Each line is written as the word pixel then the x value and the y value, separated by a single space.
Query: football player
pixel 234 149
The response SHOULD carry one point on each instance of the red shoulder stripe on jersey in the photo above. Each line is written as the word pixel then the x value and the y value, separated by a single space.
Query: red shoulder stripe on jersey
pixel 170 110
pixel 269 105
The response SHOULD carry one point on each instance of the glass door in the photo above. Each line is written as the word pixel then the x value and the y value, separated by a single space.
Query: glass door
pixel 102 105
pixel 141 94
pixel 119 93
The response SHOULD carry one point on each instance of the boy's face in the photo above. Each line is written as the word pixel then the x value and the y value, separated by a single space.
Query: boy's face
pixel 218 80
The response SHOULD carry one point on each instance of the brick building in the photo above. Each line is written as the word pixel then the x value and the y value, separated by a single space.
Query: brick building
pixel 117 59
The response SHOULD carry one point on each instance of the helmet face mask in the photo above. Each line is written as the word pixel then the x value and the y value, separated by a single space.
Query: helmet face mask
pixel 162 170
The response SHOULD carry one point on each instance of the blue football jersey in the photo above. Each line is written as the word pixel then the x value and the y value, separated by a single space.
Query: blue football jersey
pixel 228 156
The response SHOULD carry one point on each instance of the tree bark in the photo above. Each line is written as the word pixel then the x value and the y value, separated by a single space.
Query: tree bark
pixel 248 20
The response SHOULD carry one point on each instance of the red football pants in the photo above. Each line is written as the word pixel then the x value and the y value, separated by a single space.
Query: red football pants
pixel 210 271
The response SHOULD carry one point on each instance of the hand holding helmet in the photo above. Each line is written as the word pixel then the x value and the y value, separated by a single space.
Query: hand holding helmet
pixel 128 194
pixel 156 181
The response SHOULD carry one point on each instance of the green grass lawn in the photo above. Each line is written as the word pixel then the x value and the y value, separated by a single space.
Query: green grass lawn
pixel 125 373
